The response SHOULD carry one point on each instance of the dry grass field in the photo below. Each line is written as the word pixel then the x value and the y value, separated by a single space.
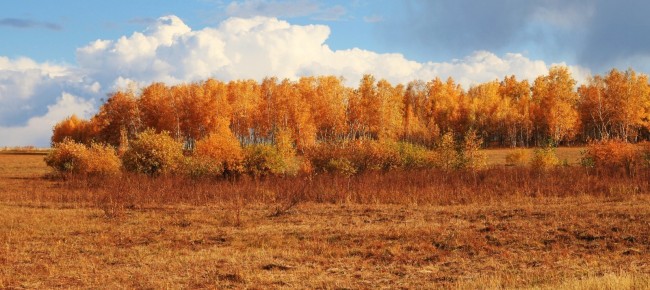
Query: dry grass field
pixel 503 228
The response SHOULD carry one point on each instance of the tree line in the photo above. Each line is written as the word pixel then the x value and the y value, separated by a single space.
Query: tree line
pixel 321 109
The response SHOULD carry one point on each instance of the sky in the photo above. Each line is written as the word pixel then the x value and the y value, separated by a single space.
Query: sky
pixel 64 57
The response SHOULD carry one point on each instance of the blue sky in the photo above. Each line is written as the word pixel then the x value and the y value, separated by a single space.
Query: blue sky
pixel 63 57
pixel 76 23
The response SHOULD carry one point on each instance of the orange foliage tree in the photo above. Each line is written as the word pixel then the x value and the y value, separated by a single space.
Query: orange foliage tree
pixel 118 117
pixel 519 122
pixel 556 101
pixel 244 98
pixel 160 109
pixel 276 120
pixel 414 115
pixel 73 127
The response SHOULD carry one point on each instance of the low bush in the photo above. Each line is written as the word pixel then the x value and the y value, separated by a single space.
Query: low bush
pixel 544 158
pixel 341 165
pixel 415 156
pixel 265 159
pixel 200 167
pixel 102 160
pixel 219 151
pixel 446 153
pixel 376 155
pixel 69 156
pixel 469 156
pixel 361 155
pixel 153 154
pixel 613 156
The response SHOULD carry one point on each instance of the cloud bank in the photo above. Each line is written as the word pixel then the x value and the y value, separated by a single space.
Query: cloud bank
pixel 34 96
pixel 597 34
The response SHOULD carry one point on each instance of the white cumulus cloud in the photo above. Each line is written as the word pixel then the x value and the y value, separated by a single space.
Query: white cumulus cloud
pixel 38 129
pixel 28 87
pixel 257 47
pixel 238 48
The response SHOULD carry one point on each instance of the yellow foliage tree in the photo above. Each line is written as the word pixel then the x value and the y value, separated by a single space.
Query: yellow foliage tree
pixel 556 105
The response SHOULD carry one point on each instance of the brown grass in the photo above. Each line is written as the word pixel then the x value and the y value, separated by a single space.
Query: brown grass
pixel 500 228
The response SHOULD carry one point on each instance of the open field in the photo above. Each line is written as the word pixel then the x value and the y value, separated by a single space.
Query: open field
pixel 504 228
pixel 24 150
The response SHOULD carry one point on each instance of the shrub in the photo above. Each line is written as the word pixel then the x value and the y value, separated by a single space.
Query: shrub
pixel 222 149
pixel 153 153
pixel 319 155
pixel 415 156
pixel 518 157
pixel 265 159
pixel 353 157
pixel 368 155
pixel 446 155
pixel 69 156
pixel 102 160
pixel 199 167
pixel 305 166
pixel 612 156
pixel 377 155
pixel 328 157
pixel 469 155
pixel 341 165
pixel 285 146
pixel 544 158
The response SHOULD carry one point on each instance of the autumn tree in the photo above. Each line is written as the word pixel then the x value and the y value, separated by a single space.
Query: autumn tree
pixel 377 109
pixel 490 111
pixel 556 103
pixel 75 128
pixel 198 110
pixel 447 107
pixel 117 118
pixel 616 105
pixel 283 107
pixel 244 98
pixel 391 107
pixel 293 112
pixel 264 120
pixel 414 114
pixel 327 97
pixel 160 109
pixel 595 109
pixel 366 107
pixel 355 116
pixel 519 122
pixel 629 93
